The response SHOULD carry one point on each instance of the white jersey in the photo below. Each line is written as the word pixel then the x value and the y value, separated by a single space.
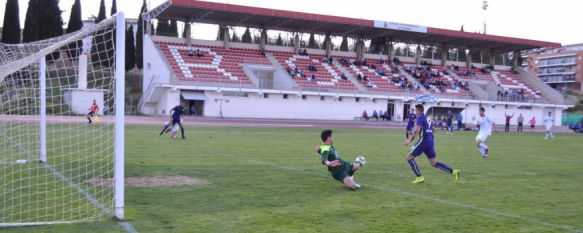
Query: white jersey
pixel 485 126
pixel 549 122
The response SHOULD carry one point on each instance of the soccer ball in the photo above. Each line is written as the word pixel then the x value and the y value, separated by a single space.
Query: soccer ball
pixel 360 159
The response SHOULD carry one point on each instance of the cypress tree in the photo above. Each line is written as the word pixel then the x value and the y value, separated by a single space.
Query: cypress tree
pixel 101 41
pixel 162 27
pixel 140 39
pixel 279 41
pixel 75 24
pixel 247 36
pixel 130 49
pixel 344 44
pixel 312 42
pixel 31 23
pixel 173 29
pixel 235 37
pixel 11 27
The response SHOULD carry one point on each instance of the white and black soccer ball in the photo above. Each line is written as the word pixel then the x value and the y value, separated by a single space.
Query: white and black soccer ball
pixel 360 159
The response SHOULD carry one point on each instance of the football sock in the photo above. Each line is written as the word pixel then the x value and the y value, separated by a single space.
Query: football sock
pixel 182 131
pixel 443 167
pixel 414 167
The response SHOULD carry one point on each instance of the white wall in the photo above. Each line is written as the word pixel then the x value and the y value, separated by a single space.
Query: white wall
pixel 255 106
pixel 158 70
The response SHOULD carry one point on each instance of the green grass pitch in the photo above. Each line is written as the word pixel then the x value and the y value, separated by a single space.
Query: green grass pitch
pixel 270 180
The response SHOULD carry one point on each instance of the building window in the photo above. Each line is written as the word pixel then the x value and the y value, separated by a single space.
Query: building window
pixel 284 96
pixel 340 99
pixel 357 99
pixel 322 98
pixel 265 95
pixel 304 97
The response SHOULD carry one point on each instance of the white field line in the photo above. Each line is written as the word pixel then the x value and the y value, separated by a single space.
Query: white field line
pixel 495 213
pixel 108 211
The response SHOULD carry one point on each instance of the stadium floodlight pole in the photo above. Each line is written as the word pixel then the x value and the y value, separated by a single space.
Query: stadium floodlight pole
pixel 485 8
pixel 119 167
pixel 43 109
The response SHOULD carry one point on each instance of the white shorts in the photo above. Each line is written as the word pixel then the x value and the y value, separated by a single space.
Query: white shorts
pixel 175 128
pixel 482 137
pixel 549 128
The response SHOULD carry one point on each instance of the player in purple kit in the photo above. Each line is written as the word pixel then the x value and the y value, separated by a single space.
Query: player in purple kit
pixel 449 122
pixel 424 129
pixel 175 118
pixel 410 123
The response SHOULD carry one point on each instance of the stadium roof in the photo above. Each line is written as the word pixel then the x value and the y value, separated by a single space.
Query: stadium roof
pixel 246 16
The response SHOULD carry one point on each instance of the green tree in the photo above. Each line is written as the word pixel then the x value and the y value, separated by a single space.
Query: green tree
pixel 102 42
pixel 246 38
pixel 221 33
pixel 140 39
pixel 130 49
pixel 312 42
pixel 163 27
pixel 113 8
pixel 344 44
pixel 11 27
pixel 75 24
pixel 173 29
pixel 279 41
pixel 235 38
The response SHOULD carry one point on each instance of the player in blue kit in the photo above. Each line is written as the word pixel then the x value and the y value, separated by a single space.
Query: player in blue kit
pixel 424 129
pixel 175 118
pixel 449 122
pixel 410 123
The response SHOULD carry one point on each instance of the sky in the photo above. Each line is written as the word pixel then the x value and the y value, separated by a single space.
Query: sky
pixel 554 21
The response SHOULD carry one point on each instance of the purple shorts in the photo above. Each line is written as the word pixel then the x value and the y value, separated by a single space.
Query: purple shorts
pixel 423 147
pixel 409 127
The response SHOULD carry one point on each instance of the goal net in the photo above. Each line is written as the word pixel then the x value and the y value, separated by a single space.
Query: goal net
pixel 55 167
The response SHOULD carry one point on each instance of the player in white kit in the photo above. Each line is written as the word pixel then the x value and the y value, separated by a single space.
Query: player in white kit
pixel 549 122
pixel 485 125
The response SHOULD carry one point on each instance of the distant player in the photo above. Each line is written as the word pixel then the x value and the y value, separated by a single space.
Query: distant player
pixel 549 122
pixel 424 129
pixel 410 122
pixel 449 122
pixel 507 126
pixel 172 127
pixel 175 118
pixel 485 126
pixel 92 111
pixel 340 170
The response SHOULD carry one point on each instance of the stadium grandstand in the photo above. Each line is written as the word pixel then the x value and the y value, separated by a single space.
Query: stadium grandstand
pixel 262 80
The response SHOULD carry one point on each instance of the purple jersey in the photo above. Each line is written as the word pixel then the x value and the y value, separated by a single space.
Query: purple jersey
pixel 426 133
pixel 449 118
pixel 425 142
pixel 411 121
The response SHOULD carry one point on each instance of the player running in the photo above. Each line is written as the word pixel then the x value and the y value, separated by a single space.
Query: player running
pixel 485 130
pixel 410 123
pixel 172 127
pixel 449 122
pixel 340 170
pixel 549 122
pixel 175 118
pixel 424 129
pixel 92 111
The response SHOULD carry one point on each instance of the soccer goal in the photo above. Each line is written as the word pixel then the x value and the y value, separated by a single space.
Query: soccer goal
pixel 54 166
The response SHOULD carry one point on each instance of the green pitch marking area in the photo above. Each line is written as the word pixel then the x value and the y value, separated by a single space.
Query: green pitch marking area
pixel 271 180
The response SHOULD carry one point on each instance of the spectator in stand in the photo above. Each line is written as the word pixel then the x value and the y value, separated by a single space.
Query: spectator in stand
pixel 313 78
pixel 330 60
pixel 198 53
pixel 365 115
pixel 519 120
pixel 508 117
pixel 359 78
pixel 381 61
pixel 262 53
pixel 532 123
pixel 312 67
pixel 375 115
pixel 343 77
pixel 396 60
pixel 382 115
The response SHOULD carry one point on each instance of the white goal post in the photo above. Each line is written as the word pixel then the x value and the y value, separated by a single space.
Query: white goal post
pixel 55 167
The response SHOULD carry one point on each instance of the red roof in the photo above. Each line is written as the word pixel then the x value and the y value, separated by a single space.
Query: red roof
pixel 238 15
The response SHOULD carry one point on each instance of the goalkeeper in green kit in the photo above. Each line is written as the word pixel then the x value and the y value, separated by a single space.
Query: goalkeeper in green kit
pixel 340 170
